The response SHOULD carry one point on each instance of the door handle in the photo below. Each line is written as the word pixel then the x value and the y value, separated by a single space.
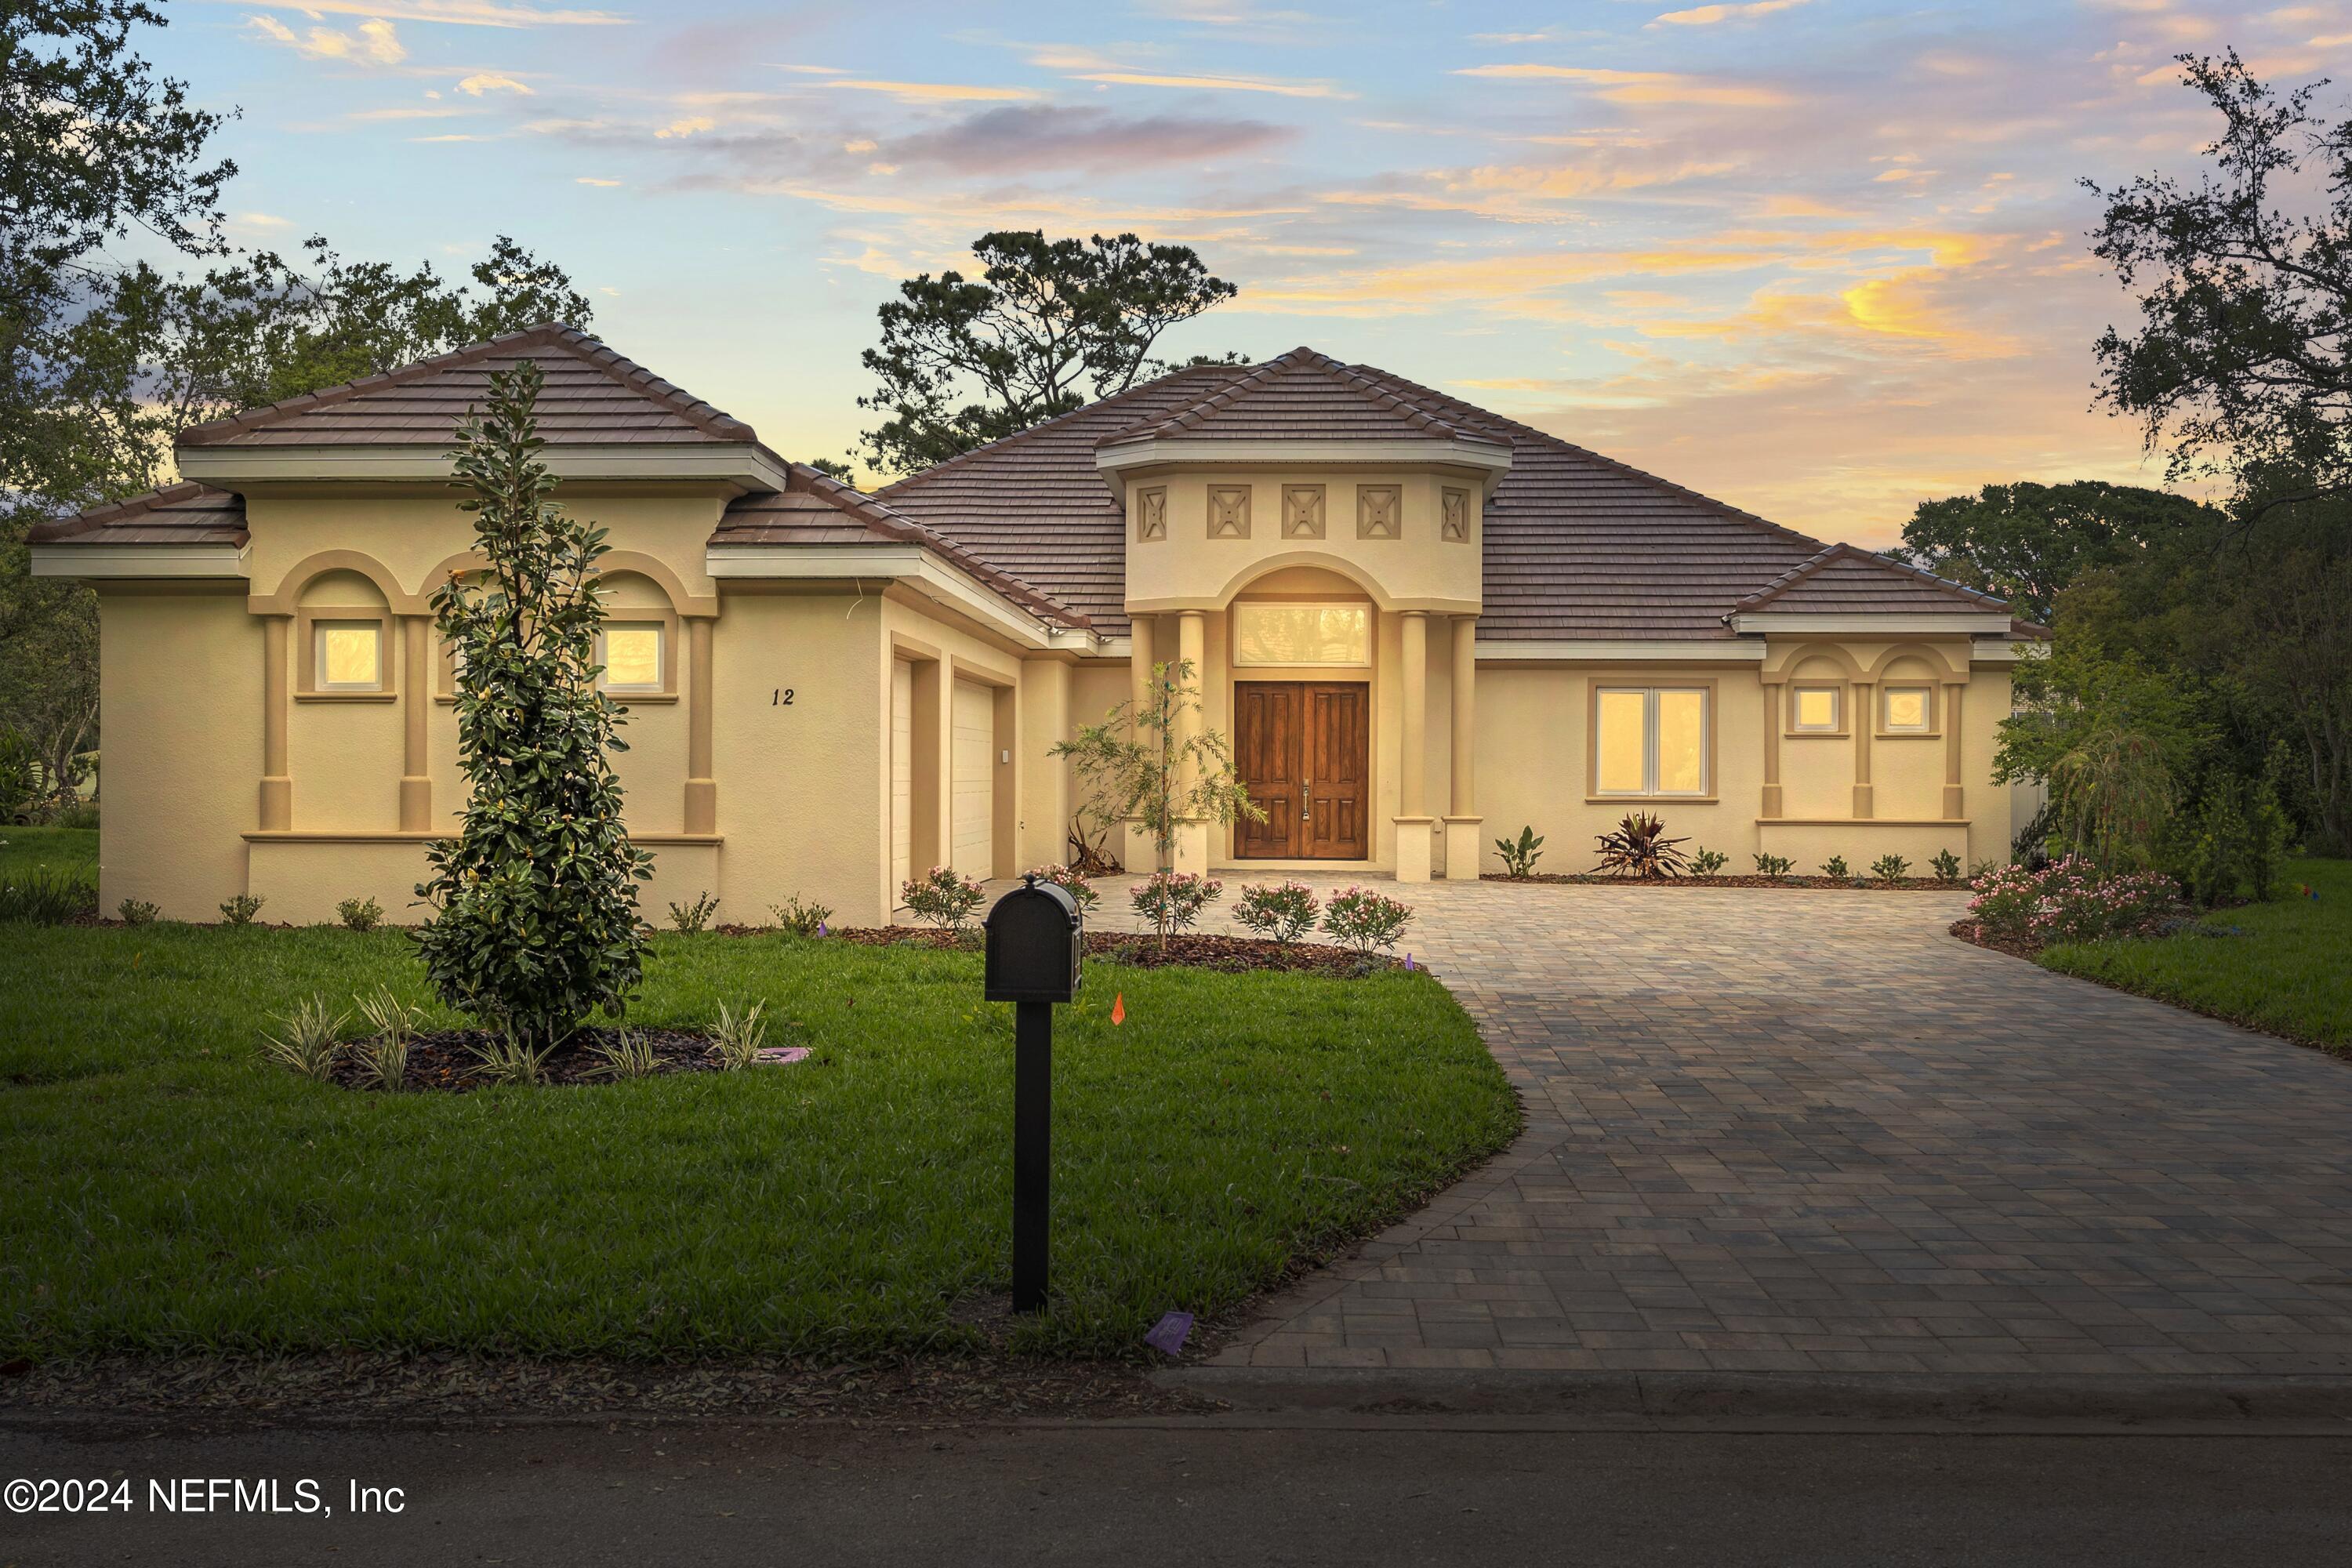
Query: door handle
pixel 1305 799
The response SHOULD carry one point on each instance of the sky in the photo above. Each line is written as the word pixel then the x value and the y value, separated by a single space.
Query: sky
pixel 1820 258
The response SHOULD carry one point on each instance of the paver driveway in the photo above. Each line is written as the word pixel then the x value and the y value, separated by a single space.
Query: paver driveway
pixel 1797 1129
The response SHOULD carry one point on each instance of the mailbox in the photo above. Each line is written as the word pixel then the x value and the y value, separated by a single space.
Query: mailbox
pixel 1035 939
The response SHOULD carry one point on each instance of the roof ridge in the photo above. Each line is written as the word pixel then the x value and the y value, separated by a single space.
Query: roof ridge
pixel 1814 565
pixel 1367 381
pixel 590 350
pixel 112 512
pixel 879 513
pixel 1098 404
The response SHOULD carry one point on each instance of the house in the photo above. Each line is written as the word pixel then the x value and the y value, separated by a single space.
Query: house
pixel 1420 624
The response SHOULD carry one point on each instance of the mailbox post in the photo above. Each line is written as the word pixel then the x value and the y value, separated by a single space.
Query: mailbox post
pixel 1035 943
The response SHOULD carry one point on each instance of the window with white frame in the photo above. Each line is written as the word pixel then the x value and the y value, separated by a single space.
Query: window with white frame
pixel 347 655
pixel 632 655
pixel 1817 709
pixel 1650 740
pixel 1910 710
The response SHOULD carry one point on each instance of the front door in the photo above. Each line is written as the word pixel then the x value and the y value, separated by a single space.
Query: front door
pixel 1304 751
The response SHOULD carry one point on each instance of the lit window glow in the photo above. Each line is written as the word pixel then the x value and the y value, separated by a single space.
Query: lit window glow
pixel 1906 708
pixel 1302 634
pixel 1817 707
pixel 1650 740
pixel 350 656
pixel 632 658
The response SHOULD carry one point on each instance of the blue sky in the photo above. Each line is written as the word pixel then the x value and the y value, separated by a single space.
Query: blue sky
pixel 1822 258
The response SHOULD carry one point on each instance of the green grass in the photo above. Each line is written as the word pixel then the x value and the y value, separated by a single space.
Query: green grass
pixel 167 1192
pixel 71 851
pixel 2290 972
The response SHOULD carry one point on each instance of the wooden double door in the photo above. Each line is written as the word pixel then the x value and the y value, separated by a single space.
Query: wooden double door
pixel 1304 751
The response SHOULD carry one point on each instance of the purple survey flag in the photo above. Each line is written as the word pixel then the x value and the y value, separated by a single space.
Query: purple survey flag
pixel 1168 1334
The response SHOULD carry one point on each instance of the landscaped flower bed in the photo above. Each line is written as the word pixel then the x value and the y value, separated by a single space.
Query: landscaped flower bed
pixel 451 1059
pixel 1749 879
pixel 1142 949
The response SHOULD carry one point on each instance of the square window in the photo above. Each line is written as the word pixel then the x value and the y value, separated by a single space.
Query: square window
pixel 1909 708
pixel 1817 707
pixel 349 656
pixel 1650 740
pixel 632 656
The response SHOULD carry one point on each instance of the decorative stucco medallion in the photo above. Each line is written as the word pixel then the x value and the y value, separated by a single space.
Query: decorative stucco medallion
pixel 1229 509
pixel 1302 512
pixel 1379 512
pixel 1150 514
pixel 1457 523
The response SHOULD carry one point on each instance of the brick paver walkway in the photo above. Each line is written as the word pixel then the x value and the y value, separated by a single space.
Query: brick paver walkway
pixel 1809 1131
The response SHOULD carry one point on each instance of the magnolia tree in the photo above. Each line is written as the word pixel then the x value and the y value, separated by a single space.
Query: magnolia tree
pixel 535 901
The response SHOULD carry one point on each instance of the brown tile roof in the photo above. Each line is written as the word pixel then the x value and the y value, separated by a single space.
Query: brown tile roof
pixel 817 508
pixel 184 513
pixel 592 395
pixel 1843 579
pixel 1303 396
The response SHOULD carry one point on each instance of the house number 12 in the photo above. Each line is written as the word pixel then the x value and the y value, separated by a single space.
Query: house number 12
pixel 782 697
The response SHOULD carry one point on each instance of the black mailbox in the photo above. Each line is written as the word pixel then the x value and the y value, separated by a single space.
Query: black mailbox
pixel 1035 939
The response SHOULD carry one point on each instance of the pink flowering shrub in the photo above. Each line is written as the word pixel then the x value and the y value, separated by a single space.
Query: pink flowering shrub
pixel 2069 901
pixel 944 898
pixel 1366 921
pixel 1071 880
pixel 1285 911
pixel 1173 900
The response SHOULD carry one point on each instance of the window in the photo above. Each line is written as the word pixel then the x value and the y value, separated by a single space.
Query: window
pixel 1910 710
pixel 348 656
pixel 1650 740
pixel 1817 709
pixel 1302 634
pixel 632 656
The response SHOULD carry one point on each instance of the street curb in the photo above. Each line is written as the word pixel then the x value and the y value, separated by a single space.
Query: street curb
pixel 1772 1396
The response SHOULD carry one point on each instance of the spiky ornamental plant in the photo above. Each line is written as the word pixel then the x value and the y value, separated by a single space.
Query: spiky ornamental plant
pixel 535 901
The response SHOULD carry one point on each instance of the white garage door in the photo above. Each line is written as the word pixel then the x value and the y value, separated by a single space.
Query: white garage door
pixel 902 775
pixel 974 779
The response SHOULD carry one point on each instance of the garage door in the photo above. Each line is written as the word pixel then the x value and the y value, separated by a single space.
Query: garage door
pixel 974 779
pixel 902 775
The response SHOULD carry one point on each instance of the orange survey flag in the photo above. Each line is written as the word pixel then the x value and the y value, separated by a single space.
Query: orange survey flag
pixel 1119 1008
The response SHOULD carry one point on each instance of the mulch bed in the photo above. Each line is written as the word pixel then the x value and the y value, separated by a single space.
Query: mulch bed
pixel 2016 947
pixel 449 1060
pixel 1870 884
pixel 1186 950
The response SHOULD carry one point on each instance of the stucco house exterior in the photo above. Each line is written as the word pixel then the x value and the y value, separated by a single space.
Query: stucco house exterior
pixel 1420 624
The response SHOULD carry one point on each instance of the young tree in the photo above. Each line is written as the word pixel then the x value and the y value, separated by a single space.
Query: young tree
pixel 1048 326
pixel 2245 279
pixel 2027 541
pixel 535 903
pixel 1138 766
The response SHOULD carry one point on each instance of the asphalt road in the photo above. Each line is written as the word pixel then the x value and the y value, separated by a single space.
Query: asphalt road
pixel 724 1494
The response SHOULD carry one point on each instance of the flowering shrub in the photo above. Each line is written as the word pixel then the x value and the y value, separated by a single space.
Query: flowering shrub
pixel 2069 901
pixel 1173 900
pixel 1366 921
pixel 944 898
pixel 1285 912
pixel 1071 880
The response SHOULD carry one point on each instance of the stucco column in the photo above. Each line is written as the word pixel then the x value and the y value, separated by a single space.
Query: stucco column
pixel 1412 819
pixel 1864 719
pixel 1045 786
pixel 701 789
pixel 1192 649
pixel 1955 796
pixel 276 788
pixel 1463 823
pixel 1771 805
pixel 1138 853
pixel 416 708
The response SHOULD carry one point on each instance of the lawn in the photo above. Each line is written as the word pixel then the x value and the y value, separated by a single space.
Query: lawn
pixel 68 851
pixel 168 1192
pixel 2287 968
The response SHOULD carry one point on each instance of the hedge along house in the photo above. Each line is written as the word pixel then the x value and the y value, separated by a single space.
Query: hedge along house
pixel 1420 624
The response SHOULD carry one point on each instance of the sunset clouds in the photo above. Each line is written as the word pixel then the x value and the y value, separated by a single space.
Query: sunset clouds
pixel 1822 260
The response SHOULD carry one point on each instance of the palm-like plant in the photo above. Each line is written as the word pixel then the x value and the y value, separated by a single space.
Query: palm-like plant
pixel 1638 848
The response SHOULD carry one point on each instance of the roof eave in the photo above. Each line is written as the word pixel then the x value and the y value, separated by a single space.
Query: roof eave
pixel 742 467
pixel 1872 623
pixel 93 560
pixel 1490 459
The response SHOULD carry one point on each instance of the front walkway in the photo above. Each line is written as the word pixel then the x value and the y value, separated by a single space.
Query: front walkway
pixel 1808 1131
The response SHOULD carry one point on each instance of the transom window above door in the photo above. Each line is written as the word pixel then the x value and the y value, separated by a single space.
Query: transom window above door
pixel 1650 740
pixel 1303 635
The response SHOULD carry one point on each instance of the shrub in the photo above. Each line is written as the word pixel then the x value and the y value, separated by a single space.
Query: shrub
pixel 1890 868
pixel 1520 854
pixel 625 1054
pixel 2069 901
pixel 384 1055
pixel 736 1038
pixel 49 899
pixel 944 898
pixel 138 913
pixel 1707 862
pixel 1639 847
pixel 21 774
pixel 359 914
pixel 534 921
pixel 799 916
pixel 1285 911
pixel 1071 880
pixel 240 909
pixel 1366 921
pixel 693 917
pixel 308 1040
pixel 2238 841
pixel 1835 868
pixel 1173 900
pixel 1947 866
pixel 1773 866
pixel 82 814
pixel 515 1059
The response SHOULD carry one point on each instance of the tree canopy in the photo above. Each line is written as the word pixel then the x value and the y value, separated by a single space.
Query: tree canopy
pixel 2027 541
pixel 1048 325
